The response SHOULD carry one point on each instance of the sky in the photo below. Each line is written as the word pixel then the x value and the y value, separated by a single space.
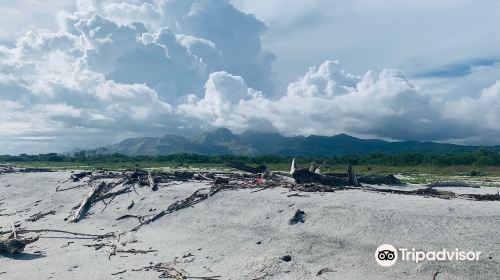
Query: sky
pixel 88 73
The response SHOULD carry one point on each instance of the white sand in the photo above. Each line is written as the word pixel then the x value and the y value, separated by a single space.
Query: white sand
pixel 341 232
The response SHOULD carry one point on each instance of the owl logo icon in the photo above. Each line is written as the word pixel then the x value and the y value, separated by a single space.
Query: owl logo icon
pixel 386 255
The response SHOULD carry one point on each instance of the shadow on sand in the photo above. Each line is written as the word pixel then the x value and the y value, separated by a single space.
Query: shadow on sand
pixel 23 256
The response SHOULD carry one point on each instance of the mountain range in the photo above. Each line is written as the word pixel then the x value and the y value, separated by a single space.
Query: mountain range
pixel 223 142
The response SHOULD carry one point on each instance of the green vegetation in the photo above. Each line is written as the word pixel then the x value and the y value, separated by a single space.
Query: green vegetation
pixel 478 163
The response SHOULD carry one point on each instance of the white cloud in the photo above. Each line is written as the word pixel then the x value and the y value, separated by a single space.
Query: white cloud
pixel 235 34
pixel 48 93
pixel 328 100
pixel 482 112
pixel 224 103
pixel 19 17
pixel 116 69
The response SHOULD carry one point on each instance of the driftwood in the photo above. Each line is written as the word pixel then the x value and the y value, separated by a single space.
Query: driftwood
pixel 352 179
pixel 126 216
pixel 78 176
pixel 99 192
pixel 115 250
pixel 152 182
pixel 379 180
pixel 482 197
pixel 430 191
pixel 312 182
pixel 456 184
pixel 111 194
pixel 172 271
pixel 38 216
pixel 14 245
pixel 307 176
pixel 107 235
pixel 312 188
pixel 58 189
pixel 87 201
pixel 119 272
pixel 197 197
pixel 304 176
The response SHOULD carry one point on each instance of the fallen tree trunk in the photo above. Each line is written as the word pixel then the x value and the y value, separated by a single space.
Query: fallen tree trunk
pixel 379 180
pixel 429 191
pixel 304 176
pixel 87 201
pixel 456 184
pixel 481 197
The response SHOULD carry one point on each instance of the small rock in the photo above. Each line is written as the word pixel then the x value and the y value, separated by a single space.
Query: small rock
pixel 286 258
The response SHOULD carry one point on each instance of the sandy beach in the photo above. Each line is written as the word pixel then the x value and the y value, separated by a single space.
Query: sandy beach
pixel 243 233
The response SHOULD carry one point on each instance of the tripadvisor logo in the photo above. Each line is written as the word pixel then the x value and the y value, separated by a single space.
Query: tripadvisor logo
pixel 387 255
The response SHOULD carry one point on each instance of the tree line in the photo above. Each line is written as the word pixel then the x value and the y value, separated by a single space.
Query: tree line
pixel 481 157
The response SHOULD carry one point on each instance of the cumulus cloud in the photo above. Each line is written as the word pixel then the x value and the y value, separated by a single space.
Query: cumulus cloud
pixel 49 94
pixel 482 112
pixel 328 100
pixel 117 69
pixel 228 102
pixel 219 25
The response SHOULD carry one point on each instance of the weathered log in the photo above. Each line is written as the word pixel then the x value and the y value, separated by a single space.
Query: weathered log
pixel 14 245
pixel 293 167
pixel 137 174
pixel 140 218
pixel 87 201
pixel 197 197
pixel 111 195
pixel 13 233
pixel 481 197
pixel 183 175
pixel 77 176
pixel 318 169
pixel 152 182
pixel 21 231
pixel 379 180
pixel 352 179
pixel 428 191
pixel 456 184
pixel 303 176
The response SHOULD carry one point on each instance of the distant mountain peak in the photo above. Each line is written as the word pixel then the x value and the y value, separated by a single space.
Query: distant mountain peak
pixel 222 141
pixel 218 135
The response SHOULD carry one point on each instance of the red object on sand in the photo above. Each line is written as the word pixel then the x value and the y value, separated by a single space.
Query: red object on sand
pixel 260 181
